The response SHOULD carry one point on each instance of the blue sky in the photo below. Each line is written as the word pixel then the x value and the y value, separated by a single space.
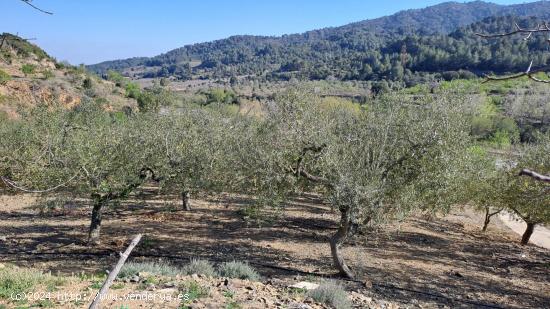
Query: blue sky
pixel 90 31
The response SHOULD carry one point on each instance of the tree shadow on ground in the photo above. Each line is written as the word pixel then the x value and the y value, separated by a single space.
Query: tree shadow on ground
pixel 424 259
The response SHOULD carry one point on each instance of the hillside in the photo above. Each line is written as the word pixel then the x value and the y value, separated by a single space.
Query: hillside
pixel 29 77
pixel 403 46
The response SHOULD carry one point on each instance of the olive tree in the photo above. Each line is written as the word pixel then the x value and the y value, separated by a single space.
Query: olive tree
pixel 375 163
pixel 189 154
pixel 529 198
pixel 86 151
pixel 496 185
pixel 485 184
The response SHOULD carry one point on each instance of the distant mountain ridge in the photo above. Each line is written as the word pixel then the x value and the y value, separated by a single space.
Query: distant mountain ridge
pixel 355 51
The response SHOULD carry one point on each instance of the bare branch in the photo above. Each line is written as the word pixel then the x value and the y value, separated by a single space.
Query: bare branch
pixel 534 175
pixel 35 7
pixel 529 73
pixel 539 29
pixel 12 184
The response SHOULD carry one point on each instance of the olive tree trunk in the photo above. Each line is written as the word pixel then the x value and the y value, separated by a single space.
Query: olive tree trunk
pixel 95 224
pixel 488 216
pixel 345 230
pixel 487 220
pixel 185 196
pixel 527 234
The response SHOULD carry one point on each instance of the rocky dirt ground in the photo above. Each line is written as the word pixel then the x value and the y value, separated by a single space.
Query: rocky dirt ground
pixel 438 262
pixel 189 292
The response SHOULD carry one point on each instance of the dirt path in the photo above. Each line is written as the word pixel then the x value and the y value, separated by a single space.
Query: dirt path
pixel 541 236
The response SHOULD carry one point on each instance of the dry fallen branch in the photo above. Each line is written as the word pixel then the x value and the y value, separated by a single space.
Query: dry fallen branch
pixel 534 175
pixel 112 275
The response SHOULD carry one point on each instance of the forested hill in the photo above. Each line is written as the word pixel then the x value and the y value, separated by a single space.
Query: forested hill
pixel 404 46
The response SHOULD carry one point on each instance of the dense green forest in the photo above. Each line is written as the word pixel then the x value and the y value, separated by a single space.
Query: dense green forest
pixel 401 47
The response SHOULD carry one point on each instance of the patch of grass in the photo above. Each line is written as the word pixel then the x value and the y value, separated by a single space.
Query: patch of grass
pixel 91 276
pixel 229 294
pixel 200 267
pixel 233 305
pixel 96 285
pixel 117 286
pixel 153 268
pixel 4 77
pixel 28 69
pixel 192 291
pixel 331 294
pixel 48 74
pixel 21 280
pixel 45 303
pixel 238 270
pixel 294 293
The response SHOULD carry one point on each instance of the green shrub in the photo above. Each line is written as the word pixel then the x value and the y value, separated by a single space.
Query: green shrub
pixel 200 267
pixel 28 69
pixel 238 270
pixel 115 77
pixel 194 291
pixel 153 268
pixel 87 83
pixel 132 90
pixel 48 74
pixel 4 77
pixel 332 294
pixel 221 96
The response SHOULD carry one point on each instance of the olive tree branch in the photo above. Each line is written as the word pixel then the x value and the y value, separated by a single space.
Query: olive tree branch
pixel 541 28
pixel 529 73
pixel 14 185
pixel 28 2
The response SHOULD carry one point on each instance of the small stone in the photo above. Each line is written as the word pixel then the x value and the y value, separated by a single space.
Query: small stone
pixel 304 285
pixel 134 279
pixel 195 276
pixel 168 291
pixel 169 285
